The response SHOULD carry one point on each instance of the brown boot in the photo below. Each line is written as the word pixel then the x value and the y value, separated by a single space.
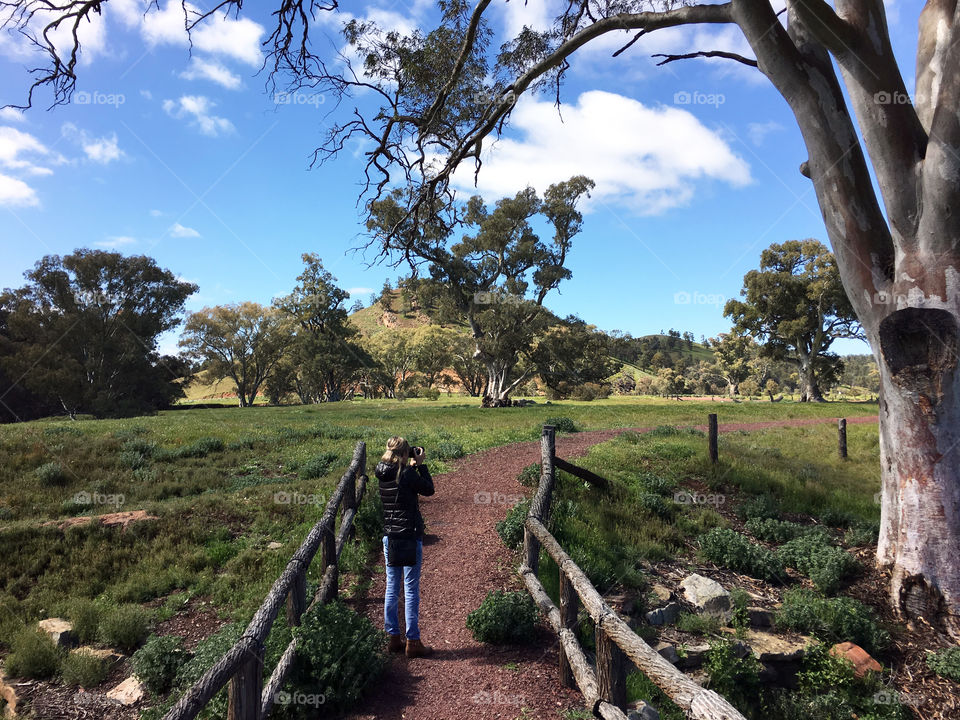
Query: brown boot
pixel 396 643
pixel 416 649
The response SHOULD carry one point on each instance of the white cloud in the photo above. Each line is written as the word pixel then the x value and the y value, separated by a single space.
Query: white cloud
pixel 15 144
pixel 101 150
pixel 181 231
pixel 354 291
pixel 91 32
pixel 198 107
pixel 146 94
pixel 156 213
pixel 646 159
pixel 116 241
pixel 758 131
pixel 9 114
pixel 211 70
pixel 16 192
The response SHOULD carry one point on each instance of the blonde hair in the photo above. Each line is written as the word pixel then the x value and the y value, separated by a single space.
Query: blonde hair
pixel 397 448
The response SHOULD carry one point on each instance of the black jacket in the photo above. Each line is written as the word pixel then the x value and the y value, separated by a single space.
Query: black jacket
pixel 401 509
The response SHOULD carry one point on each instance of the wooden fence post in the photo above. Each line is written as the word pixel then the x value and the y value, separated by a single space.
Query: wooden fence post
pixel 540 507
pixel 548 453
pixel 243 692
pixel 328 549
pixel 714 453
pixel 842 438
pixel 569 607
pixel 611 670
pixel 297 598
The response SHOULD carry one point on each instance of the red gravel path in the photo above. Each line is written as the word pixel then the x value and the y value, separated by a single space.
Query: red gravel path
pixel 463 558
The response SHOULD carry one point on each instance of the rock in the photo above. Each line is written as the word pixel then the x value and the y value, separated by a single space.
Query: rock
pixel 59 630
pixel 106 655
pixel 760 617
pixel 770 648
pixel 668 652
pixel 861 659
pixel 707 595
pixel 691 656
pixel 639 710
pixel 274 545
pixel 129 692
pixel 9 694
pixel 665 615
pixel 660 594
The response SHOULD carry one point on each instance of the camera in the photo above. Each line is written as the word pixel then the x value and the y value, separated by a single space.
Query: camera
pixel 417 450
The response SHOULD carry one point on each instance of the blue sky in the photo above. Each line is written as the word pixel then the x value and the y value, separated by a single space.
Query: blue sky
pixel 188 158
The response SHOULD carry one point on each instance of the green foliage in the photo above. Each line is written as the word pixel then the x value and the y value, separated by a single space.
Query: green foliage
pixel 640 687
pixel 780 531
pixel 85 617
pixel 51 473
pixel 837 518
pixel 761 507
pixel 945 662
pixel 827 566
pixel 448 450
pixel 84 669
pixel 323 668
pixel 32 655
pixel 740 617
pixel 503 617
pixel 832 619
pixel 698 624
pixel 562 424
pixel 205 655
pixel 510 529
pixel 862 534
pixel 737 552
pixel 125 626
pixel 736 678
pixel 530 475
pixel 158 662
pixel 319 465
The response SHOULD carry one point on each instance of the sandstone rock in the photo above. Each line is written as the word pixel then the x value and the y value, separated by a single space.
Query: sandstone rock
pixel 668 652
pixel 59 630
pixel 661 594
pixel 770 648
pixel 691 656
pixel 274 545
pixel 861 659
pixel 707 595
pixel 760 617
pixel 106 655
pixel 129 692
pixel 665 615
pixel 8 692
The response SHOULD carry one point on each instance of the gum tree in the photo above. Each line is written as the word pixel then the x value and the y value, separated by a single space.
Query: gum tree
pixel 445 92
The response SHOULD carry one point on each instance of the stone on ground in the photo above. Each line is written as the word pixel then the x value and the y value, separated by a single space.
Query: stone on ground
pixel 9 693
pixel 639 710
pixel 59 630
pixel 664 616
pixel 861 659
pixel 129 692
pixel 707 595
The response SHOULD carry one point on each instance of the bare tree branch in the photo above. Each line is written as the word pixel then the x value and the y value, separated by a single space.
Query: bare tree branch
pixel 706 54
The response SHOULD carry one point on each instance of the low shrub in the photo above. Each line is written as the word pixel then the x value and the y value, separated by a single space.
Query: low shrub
pixel 737 552
pixel 323 669
pixel 945 662
pixel 448 450
pixel 429 393
pixel 736 678
pixel 510 529
pixel 760 507
pixel 832 619
pixel 826 565
pixel 84 669
pixel 530 475
pixel 85 616
pixel 862 534
pixel 319 465
pixel 32 655
pixel 562 424
pixel 656 484
pixel 125 626
pixel 503 617
pixel 208 652
pixel 51 473
pixel 837 518
pixel 132 460
pixel 781 531
pixel 158 662
pixel 698 624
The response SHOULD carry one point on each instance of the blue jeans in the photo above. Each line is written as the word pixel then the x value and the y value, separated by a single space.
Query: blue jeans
pixel 411 595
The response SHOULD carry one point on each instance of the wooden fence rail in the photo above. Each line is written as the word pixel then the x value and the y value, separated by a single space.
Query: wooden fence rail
pixel 242 665
pixel 604 688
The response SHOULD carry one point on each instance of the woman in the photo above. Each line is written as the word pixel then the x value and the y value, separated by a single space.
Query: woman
pixel 400 484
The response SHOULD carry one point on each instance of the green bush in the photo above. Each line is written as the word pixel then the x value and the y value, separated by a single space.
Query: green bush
pixel 837 518
pixel 132 460
pixel 208 652
pixel 530 475
pixel 158 662
pixel 51 473
pixel 429 393
pixel 319 465
pixel 832 619
pixel 562 424
pixel 32 655
pixel 448 450
pixel 780 531
pixel 760 507
pixel 737 552
pixel 322 667
pixel 140 447
pixel 827 566
pixel 84 669
pixel 503 617
pixel 736 678
pixel 510 529
pixel 698 624
pixel 85 617
pixel 656 484
pixel 654 504
pixel 946 663
pixel 862 534
pixel 125 626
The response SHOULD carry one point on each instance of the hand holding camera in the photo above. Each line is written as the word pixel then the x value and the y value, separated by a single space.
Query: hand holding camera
pixel 418 455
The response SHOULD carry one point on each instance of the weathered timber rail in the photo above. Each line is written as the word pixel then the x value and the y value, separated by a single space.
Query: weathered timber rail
pixel 242 665
pixel 605 689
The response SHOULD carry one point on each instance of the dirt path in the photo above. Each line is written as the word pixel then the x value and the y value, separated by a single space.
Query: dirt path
pixel 463 558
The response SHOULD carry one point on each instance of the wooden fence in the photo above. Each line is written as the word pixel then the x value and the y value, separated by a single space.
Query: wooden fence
pixel 605 689
pixel 242 665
